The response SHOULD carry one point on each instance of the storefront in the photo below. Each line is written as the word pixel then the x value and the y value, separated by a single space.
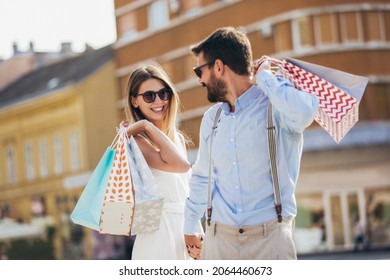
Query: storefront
pixel 341 192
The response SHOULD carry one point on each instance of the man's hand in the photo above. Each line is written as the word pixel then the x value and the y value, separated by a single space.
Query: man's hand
pixel 194 246
pixel 261 64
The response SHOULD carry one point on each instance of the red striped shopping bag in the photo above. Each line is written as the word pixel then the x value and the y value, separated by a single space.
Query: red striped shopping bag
pixel 339 93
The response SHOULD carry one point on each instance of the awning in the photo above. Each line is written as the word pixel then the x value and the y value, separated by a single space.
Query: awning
pixel 10 229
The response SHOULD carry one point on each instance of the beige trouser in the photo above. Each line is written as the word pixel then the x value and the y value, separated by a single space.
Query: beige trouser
pixel 269 241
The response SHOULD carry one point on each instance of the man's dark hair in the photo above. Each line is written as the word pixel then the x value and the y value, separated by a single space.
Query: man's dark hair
pixel 230 45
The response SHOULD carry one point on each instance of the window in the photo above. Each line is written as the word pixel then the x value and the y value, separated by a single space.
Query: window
pixel 378 213
pixel 158 15
pixel 28 157
pixel 38 207
pixel 127 26
pixel 375 104
pixel 74 151
pixel 58 156
pixel 310 231
pixel 174 5
pixel 302 33
pixel 11 168
pixel 283 40
pixel 325 29
pixel 374 24
pixel 351 27
pixel 191 7
pixel 386 22
pixel 43 157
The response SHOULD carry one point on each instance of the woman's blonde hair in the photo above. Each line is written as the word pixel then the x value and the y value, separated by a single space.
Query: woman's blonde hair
pixel 137 77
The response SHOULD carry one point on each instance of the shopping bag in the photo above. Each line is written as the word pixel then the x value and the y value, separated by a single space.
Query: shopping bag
pixel 349 83
pixel 149 200
pixel 118 202
pixel 89 206
pixel 339 93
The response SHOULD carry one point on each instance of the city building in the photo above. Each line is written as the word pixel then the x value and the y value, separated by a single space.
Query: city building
pixel 23 62
pixel 339 184
pixel 55 124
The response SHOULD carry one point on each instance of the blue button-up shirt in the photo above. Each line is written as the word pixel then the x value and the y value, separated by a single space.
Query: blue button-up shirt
pixel 242 190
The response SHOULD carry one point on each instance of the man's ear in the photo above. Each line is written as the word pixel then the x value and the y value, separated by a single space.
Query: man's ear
pixel 134 101
pixel 220 67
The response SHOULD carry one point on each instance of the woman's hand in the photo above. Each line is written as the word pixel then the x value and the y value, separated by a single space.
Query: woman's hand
pixel 158 150
pixel 194 246
pixel 123 124
pixel 135 128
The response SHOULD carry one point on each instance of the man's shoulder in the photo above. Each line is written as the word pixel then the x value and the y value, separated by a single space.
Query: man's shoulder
pixel 210 112
pixel 209 115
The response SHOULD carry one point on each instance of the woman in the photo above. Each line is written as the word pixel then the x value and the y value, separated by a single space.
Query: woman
pixel 151 108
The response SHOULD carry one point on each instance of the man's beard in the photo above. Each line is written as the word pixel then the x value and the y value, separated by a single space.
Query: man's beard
pixel 216 90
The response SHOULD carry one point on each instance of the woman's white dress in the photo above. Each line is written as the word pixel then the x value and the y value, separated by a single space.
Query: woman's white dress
pixel 167 243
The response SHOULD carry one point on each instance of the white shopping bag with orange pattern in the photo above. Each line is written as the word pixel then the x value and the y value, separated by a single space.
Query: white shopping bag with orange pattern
pixel 118 204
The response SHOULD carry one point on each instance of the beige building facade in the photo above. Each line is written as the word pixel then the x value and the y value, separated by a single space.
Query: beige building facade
pixel 55 124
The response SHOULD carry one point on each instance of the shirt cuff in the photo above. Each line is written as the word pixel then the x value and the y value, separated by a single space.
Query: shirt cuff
pixel 191 227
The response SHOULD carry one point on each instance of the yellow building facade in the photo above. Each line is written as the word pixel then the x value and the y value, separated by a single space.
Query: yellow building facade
pixel 338 183
pixel 52 137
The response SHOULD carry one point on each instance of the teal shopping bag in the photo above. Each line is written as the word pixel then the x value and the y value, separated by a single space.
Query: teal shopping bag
pixel 88 209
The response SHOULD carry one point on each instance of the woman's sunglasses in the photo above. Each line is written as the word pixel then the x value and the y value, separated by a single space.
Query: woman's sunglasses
pixel 198 71
pixel 164 94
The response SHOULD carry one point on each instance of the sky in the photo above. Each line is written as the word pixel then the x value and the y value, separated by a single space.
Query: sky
pixel 48 23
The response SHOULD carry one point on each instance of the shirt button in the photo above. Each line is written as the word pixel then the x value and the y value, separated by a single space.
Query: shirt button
pixel 236 187
pixel 239 209
pixel 234 163
pixel 241 230
pixel 231 139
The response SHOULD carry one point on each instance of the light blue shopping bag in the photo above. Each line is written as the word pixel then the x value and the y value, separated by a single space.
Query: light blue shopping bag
pixel 88 209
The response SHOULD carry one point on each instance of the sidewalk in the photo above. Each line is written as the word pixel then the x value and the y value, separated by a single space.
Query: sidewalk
pixel 372 254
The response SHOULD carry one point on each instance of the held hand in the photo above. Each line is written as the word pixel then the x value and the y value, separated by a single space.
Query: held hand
pixel 194 246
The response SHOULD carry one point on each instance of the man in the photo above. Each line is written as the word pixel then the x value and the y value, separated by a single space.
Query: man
pixel 244 223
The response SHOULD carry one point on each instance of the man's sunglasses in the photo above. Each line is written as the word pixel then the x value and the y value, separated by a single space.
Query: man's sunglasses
pixel 197 70
pixel 164 94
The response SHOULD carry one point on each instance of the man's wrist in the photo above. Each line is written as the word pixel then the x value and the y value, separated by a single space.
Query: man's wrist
pixel 191 228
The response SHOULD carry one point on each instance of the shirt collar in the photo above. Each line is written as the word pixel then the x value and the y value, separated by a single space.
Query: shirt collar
pixel 243 101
